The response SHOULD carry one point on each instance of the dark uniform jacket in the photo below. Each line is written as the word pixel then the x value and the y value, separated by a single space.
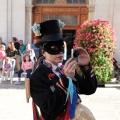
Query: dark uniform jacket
pixel 49 97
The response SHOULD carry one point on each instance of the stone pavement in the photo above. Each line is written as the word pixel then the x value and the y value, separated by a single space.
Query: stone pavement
pixel 104 104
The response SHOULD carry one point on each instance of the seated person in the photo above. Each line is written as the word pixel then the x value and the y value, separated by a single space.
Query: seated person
pixel 13 54
pixel 7 66
pixel 27 66
pixel 29 51
pixel 2 55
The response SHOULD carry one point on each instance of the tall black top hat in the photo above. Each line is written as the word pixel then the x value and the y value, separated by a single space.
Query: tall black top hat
pixel 49 31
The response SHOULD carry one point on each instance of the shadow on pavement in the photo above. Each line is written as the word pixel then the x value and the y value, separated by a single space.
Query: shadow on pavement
pixel 12 86
pixel 118 88
pixel 114 84
pixel 22 85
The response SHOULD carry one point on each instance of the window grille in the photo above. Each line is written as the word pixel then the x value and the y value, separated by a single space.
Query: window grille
pixel 68 1
pixel 68 19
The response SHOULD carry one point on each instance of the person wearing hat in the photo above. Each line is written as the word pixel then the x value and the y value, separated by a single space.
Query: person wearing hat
pixel 54 88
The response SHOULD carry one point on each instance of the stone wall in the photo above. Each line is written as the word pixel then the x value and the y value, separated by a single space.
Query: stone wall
pixel 18 19
pixel 12 19
pixel 109 10
pixel 116 26
pixel 3 20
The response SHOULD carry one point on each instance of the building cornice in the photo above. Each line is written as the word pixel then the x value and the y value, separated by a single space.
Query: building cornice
pixel 91 8
pixel 29 7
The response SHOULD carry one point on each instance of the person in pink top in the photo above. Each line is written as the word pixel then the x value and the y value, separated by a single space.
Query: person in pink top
pixel 27 66
pixel 2 55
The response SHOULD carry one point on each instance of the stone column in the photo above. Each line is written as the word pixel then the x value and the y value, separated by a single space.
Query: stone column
pixel 111 12
pixel 91 9
pixel 28 22
pixel 3 19
pixel 9 21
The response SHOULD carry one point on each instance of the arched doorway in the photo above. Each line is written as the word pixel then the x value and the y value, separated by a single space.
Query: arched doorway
pixel 72 12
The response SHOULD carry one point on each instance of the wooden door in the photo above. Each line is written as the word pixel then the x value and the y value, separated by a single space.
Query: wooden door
pixel 73 16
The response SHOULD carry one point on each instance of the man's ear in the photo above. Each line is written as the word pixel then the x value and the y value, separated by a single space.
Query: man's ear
pixel 43 53
pixel 42 49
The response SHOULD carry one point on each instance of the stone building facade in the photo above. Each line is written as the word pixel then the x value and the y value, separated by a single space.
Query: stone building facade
pixel 16 18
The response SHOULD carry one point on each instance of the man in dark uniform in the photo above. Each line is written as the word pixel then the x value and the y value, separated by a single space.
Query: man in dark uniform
pixel 16 43
pixel 53 88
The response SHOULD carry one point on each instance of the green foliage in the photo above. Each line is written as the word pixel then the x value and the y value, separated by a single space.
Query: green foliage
pixel 97 37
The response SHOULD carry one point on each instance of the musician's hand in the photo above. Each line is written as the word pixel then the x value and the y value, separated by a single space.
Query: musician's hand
pixel 83 58
pixel 69 67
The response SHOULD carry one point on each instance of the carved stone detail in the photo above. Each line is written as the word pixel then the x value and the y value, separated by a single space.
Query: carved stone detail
pixel 91 8
pixel 91 2
pixel 29 8
pixel 28 2
pixel 91 5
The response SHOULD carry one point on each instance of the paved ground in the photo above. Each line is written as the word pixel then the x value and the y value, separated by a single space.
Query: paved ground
pixel 105 103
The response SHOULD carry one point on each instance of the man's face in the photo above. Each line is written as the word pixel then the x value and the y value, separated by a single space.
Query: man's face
pixel 21 42
pixel 55 59
pixel 54 47
pixel 35 41
pixel 53 52
pixel 28 46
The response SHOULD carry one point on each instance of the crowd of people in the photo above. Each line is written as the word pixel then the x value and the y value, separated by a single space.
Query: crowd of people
pixel 24 56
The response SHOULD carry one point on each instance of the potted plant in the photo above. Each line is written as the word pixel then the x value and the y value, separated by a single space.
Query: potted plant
pixel 97 37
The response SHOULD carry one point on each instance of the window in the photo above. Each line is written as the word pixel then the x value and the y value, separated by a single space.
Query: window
pixel 68 1
pixel 45 17
pixel 51 17
pixel 75 1
pixel 45 1
pixel 68 19
pixel 38 1
pixel 82 1
pixel 52 1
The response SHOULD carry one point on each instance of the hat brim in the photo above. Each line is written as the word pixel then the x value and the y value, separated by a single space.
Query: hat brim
pixel 49 38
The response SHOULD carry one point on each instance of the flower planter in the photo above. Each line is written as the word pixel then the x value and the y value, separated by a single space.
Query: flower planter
pixel 101 84
pixel 97 37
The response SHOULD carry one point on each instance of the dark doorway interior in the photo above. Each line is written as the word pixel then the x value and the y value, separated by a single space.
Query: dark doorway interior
pixel 69 36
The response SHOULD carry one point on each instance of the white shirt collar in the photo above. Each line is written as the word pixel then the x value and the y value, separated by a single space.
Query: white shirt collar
pixel 53 66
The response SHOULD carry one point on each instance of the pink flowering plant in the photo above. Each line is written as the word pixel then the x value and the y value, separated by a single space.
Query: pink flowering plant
pixel 97 37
